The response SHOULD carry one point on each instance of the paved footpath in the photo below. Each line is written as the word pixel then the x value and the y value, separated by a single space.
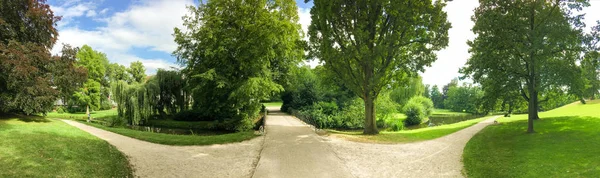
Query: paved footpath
pixel 292 149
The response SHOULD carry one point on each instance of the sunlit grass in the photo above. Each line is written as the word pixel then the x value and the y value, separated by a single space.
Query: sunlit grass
pixel 273 104
pixel 447 112
pixel 81 115
pixel 169 139
pixel 565 144
pixel 408 135
pixel 38 147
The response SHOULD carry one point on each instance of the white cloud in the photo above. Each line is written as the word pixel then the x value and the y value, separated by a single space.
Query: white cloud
pixel 148 24
pixel 90 13
pixel 453 57
pixel 72 9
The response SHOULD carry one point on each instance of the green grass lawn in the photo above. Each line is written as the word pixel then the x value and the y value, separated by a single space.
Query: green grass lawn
pixel 38 147
pixel 169 139
pixel 447 112
pixel 408 135
pixel 80 115
pixel 273 104
pixel 566 144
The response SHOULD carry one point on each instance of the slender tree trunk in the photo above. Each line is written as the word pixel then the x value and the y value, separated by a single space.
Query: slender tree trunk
pixel 370 125
pixel 532 110
pixel 87 112
pixel 536 103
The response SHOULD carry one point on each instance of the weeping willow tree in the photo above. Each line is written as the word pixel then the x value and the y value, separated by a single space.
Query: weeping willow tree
pixel 164 93
pixel 173 95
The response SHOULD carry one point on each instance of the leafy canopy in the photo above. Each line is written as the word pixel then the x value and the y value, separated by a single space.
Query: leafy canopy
pixel 233 50
pixel 372 44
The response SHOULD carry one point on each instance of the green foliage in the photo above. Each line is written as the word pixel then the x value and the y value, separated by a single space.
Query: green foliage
pixel 116 72
pixel 414 87
pixel 302 91
pixel 425 102
pixel 528 47
pixel 89 95
pixel 415 113
pixel 465 98
pixel 173 93
pixel 137 71
pixel 67 76
pixel 60 110
pixel 192 115
pixel 370 45
pixel 232 69
pixel 95 62
pixel 437 97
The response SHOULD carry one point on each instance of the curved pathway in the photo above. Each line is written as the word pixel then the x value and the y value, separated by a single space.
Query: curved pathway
pixel 292 149
pixel 155 160
pixel 441 157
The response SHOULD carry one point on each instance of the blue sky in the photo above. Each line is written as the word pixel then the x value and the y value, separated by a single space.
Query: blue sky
pixel 129 31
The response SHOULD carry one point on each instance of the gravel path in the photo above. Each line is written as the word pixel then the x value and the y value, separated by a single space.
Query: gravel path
pixel 292 149
pixel 155 160
pixel 440 157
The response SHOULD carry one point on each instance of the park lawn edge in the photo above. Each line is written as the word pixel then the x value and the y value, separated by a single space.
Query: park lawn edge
pixel 406 136
pixel 179 140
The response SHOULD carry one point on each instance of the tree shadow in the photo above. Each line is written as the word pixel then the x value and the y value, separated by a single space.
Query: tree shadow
pixel 24 118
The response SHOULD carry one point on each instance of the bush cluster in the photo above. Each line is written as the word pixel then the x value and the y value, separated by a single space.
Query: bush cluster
pixel 417 110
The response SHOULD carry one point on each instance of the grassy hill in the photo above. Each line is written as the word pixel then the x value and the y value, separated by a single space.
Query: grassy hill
pixel 566 144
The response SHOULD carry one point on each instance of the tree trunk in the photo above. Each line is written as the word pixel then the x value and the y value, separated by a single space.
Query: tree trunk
pixel 532 114
pixel 370 125
pixel 87 112
pixel 537 106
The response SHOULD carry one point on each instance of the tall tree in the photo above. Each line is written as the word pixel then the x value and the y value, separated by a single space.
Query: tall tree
pixel 590 64
pixel 67 76
pixel 404 92
pixel 453 83
pixel 427 92
pixel 27 33
pixel 91 94
pixel 231 48
pixel 529 46
pixel 371 44
pixel 437 97
pixel 116 72
pixel 137 71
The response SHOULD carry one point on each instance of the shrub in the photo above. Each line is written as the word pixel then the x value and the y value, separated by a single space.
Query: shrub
pixel 328 108
pixel 60 110
pixel 192 115
pixel 113 121
pixel 397 126
pixel 425 102
pixel 414 113
pixel 106 105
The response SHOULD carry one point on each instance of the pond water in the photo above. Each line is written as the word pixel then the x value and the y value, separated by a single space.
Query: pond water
pixel 443 120
pixel 177 131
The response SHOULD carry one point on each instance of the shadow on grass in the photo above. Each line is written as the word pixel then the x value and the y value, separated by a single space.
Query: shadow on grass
pixel 24 118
